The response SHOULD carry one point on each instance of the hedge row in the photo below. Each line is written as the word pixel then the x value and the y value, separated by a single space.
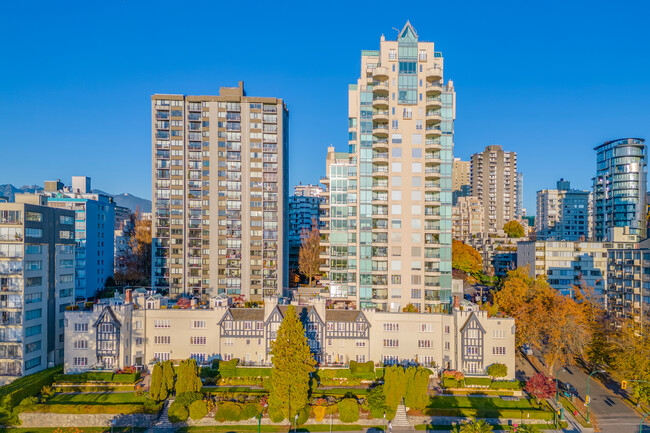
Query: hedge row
pixel 93 387
pixel 126 408
pixel 11 395
pixel 98 376
pixel 448 382
pixel 230 411
pixel 490 413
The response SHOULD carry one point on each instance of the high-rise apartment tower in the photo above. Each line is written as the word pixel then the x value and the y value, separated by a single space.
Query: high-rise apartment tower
pixel 387 218
pixel 219 194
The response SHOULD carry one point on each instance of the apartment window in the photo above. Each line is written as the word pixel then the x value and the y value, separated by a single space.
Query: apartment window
pixel 425 344
pixel 426 327
pixel 161 356
pixel 33 265
pixel 447 345
pixel 34 216
pixel 198 340
pixel 396 279
pixel 33 233
pixel 499 333
pixel 33 249
pixel 81 344
pixel 33 297
pixel 67 264
pixel 361 358
pixel 391 327
pixel 391 342
pixel 200 358
pixel 392 55
pixel 198 324
pixel 64 219
pixel 361 343
pixel 161 324
pixel 66 234
pixel 472 368
pixel 447 329
pixel 80 361
pixel 138 341
pixel 33 330
pixel 472 350
pixel 68 278
pixel 36 313
pixel 162 339
pixel 32 347
pixel 80 327
pixel 498 350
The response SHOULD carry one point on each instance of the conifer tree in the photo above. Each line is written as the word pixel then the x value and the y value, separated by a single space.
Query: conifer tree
pixel 292 364
pixel 187 378
pixel 168 376
pixel 157 389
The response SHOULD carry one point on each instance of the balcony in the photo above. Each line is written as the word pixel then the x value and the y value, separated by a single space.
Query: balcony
pixel 432 144
pixel 431 172
pixel 434 73
pixel 433 89
pixel 380 172
pixel 433 117
pixel 431 158
pixel 380 144
pixel 433 131
pixel 380 73
pixel 383 186
pixel 380 130
pixel 380 115
pixel 380 102
pixel 380 157
pixel 380 87
pixel 433 102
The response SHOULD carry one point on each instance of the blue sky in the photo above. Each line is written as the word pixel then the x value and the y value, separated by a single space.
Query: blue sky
pixel 549 80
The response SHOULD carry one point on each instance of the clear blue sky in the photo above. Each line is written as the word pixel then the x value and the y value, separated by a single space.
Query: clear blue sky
pixel 549 80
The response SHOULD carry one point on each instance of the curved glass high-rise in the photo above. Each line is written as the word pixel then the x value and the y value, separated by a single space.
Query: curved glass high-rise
pixel 620 187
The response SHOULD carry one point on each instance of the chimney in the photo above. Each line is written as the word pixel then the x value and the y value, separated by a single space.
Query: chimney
pixel 456 302
pixel 128 298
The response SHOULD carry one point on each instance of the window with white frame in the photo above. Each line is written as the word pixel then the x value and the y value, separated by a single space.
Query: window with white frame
pixel 229 341
pixel 425 344
pixel 80 327
pixel 159 323
pixel 447 329
pixel 361 358
pixel 200 358
pixel 361 343
pixel 195 340
pixel 499 333
pixel 472 368
pixel 80 361
pixel 161 356
pixel 81 344
pixel 472 350
pixel 391 327
pixel 498 350
pixel 198 324
pixel 391 342
pixel 426 327
pixel 447 345
pixel 162 339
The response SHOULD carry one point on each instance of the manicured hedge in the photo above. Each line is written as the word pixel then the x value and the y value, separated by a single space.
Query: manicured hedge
pixel 226 368
pixel 98 376
pixel 348 410
pixel 478 381
pixel 11 395
pixel 198 410
pixel 362 367
pixel 506 384
pixel 448 382
pixel 228 411
pixel 250 410
pixel 177 412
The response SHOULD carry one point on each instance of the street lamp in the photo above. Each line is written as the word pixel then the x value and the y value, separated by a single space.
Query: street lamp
pixel 588 395
pixel 556 381
pixel 384 421
pixel 296 419
pixel 641 425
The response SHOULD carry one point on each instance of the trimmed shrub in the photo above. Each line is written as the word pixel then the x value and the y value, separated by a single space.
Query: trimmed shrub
pixel 227 368
pixel 319 412
pixel 250 410
pixel 348 410
pixel 275 415
pixel 362 367
pixel 187 398
pixel 448 382
pixel 478 381
pixel 377 401
pixel 506 384
pixel 11 395
pixel 198 410
pixel 151 406
pixel 228 411
pixel 208 372
pixel 126 377
pixel 497 370
pixel 177 412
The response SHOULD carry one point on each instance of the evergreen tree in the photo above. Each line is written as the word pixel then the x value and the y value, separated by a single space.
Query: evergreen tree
pixel 417 384
pixel 187 379
pixel 168 376
pixel 157 389
pixel 292 364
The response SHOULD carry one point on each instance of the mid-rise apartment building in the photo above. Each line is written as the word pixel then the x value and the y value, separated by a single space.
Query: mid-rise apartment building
pixel 387 222
pixel 220 167
pixel 562 213
pixel 37 256
pixel 468 218
pixel 94 232
pixel 494 183
pixel 116 334
pixel 498 251
pixel 620 187
pixel 460 179
pixel 628 283
pixel 304 214
pixel 568 265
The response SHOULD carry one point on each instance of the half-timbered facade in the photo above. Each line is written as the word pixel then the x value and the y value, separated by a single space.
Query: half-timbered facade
pixel 131 333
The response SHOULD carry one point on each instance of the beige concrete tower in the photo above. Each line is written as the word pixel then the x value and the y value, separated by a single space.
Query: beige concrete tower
pixel 387 235
pixel 494 183
pixel 219 179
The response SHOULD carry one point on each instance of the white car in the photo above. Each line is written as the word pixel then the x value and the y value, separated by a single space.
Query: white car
pixel 526 350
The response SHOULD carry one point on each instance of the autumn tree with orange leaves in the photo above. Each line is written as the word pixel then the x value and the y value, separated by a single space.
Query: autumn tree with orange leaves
pixel 133 265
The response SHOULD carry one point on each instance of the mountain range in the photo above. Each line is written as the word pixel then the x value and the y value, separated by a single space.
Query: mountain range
pixel 124 199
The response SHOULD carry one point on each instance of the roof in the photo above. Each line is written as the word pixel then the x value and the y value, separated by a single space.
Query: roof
pixel 342 315
pixel 108 310
pixel 243 314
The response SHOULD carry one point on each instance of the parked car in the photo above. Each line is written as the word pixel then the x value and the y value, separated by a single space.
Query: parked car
pixel 567 389
pixel 526 350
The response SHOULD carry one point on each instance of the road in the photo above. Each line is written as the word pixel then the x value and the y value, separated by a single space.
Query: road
pixel 608 411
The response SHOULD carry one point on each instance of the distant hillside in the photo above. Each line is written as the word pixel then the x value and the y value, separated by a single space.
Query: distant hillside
pixel 132 202
pixel 9 191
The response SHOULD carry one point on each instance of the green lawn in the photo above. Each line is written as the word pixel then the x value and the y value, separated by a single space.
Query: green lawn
pixel 95 399
pixel 84 429
pixel 486 407
pixel 271 428
pixel 500 427
pixel 568 406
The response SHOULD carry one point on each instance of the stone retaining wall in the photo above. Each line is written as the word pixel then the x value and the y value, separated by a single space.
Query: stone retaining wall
pixel 31 419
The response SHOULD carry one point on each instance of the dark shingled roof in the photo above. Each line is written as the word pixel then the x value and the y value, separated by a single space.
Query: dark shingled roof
pixel 342 315
pixel 243 314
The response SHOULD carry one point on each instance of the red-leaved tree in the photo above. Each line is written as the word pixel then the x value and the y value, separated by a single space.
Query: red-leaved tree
pixel 540 386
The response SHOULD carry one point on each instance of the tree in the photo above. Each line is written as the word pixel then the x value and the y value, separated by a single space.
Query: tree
pixel 292 365
pixel 474 426
pixel 465 258
pixel 377 401
pixel 394 388
pixel 540 386
pixel 157 389
pixel 409 308
pixel 133 265
pixel 309 254
pixel 513 229
pixel 168 376
pixel 417 385
pixel 187 378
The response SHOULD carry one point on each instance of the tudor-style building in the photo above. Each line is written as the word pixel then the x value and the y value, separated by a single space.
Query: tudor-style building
pixel 127 331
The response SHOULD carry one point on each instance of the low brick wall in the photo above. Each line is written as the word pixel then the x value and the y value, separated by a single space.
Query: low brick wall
pixel 81 420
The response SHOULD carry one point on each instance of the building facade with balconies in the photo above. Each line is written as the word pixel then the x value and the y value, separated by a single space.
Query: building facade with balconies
pixel 394 228
pixel 304 214
pixel 468 218
pixel 620 187
pixel 494 183
pixel 37 256
pixel 628 283
pixel 562 213
pixel 220 170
